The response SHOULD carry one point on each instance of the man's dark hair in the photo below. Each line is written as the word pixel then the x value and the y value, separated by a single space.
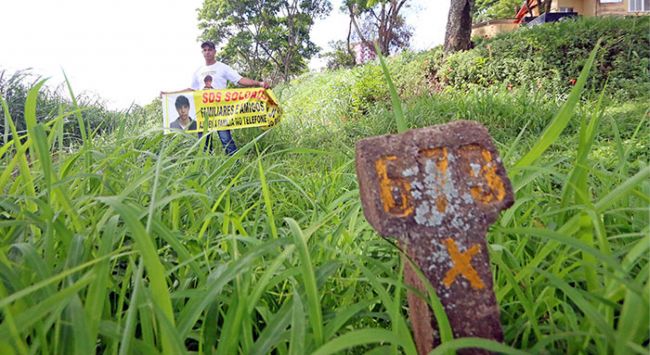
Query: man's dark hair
pixel 182 101
pixel 208 44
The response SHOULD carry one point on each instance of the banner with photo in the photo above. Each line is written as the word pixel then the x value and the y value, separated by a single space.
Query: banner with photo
pixel 218 110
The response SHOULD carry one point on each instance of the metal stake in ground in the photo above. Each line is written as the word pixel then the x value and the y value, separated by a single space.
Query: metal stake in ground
pixel 437 190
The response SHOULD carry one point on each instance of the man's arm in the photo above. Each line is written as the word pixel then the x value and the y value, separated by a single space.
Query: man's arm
pixel 250 82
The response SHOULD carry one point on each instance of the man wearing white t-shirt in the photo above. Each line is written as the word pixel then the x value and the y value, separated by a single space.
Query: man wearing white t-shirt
pixel 219 75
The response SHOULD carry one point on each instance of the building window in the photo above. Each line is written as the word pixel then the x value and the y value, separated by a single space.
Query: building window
pixel 639 5
pixel 566 9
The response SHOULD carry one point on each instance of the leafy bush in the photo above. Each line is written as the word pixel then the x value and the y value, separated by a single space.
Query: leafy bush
pixel 549 57
pixel 543 60
pixel 368 89
pixel 408 71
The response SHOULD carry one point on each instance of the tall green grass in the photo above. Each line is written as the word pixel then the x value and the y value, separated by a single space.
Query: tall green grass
pixel 142 243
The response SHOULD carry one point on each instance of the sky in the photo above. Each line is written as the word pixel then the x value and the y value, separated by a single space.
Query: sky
pixel 127 51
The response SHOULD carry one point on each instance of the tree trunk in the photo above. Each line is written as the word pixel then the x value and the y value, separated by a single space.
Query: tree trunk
pixel 350 51
pixel 288 58
pixel 459 26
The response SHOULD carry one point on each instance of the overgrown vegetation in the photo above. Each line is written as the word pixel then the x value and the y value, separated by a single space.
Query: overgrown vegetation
pixel 53 102
pixel 140 242
pixel 550 57
pixel 544 59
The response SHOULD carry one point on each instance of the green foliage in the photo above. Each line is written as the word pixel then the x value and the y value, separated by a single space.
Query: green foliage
pixel 346 94
pixel 507 62
pixel 537 57
pixel 339 57
pixel 273 255
pixel 394 98
pixel 146 244
pixel 465 69
pixel 369 88
pixel 409 73
pixel 51 103
pixel 552 277
pixel 263 40
pixel 485 10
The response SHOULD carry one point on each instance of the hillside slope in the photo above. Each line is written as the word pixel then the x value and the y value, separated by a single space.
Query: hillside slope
pixel 141 242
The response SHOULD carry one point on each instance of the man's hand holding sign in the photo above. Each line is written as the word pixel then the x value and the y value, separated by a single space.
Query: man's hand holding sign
pixel 437 190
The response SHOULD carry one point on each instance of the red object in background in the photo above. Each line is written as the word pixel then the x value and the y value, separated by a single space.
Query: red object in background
pixel 521 14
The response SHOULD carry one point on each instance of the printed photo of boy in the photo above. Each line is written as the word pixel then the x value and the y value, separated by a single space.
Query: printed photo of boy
pixel 184 121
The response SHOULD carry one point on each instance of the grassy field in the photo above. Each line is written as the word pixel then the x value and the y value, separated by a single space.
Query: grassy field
pixel 139 242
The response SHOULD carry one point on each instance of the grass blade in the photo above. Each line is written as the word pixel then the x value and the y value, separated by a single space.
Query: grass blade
pixel 357 338
pixel 266 193
pixel 309 281
pixel 479 343
pixel 27 318
pixel 394 98
pixel 273 332
pixel 80 119
pixel 587 308
pixel 83 344
pixel 131 314
pixel 232 327
pixel 197 304
pixel 97 291
pixel 160 292
pixel 562 118
pixel 297 337
pixel 632 321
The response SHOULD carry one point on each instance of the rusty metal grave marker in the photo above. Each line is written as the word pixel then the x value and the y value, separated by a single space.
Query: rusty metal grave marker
pixel 437 190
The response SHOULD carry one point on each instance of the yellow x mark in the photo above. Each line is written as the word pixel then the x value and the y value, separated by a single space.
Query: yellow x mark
pixel 462 265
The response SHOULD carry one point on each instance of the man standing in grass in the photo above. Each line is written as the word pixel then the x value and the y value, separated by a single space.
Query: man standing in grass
pixel 220 74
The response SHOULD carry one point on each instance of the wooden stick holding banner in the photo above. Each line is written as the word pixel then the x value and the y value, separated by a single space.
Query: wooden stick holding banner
pixel 437 190
pixel 221 109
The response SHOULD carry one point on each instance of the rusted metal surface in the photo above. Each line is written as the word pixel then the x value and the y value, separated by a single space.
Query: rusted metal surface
pixel 419 312
pixel 437 190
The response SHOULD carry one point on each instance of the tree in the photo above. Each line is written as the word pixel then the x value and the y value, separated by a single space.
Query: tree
pixel 459 26
pixel 263 38
pixel 339 57
pixel 378 20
